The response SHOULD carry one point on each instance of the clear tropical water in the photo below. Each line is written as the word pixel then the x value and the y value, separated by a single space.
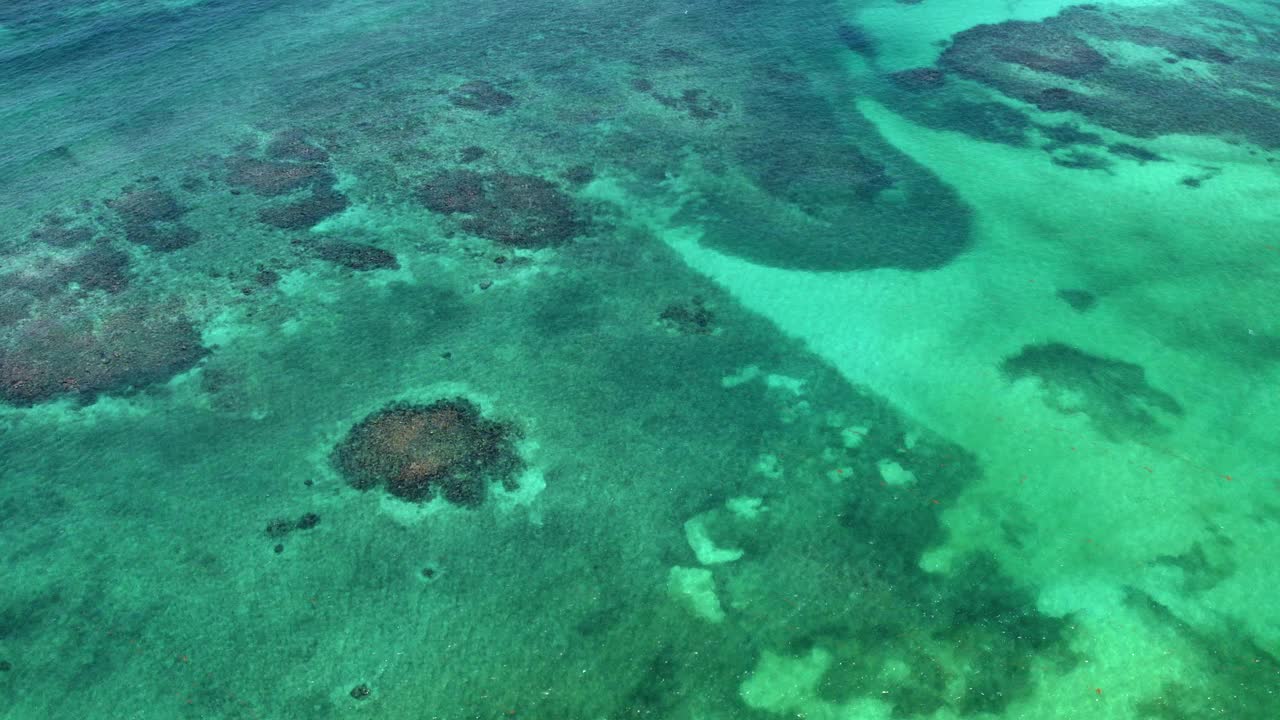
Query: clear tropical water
pixel 598 360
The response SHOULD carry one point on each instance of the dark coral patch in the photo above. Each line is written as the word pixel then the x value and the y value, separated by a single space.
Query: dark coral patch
pixel 356 256
pixel 1229 667
pixel 1230 92
pixel 101 267
pixel 1056 99
pixel 916 79
pixel 77 356
pixel 481 96
pixel 1113 394
pixel 56 232
pixel 147 205
pixel 579 175
pixel 1079 300
pixel 151 218
pixel 692 318
pixel 446 448
pixel 454 191
pixel 695 102
pixel 1062 55
pixel 1060 135
pixel 163 237
pixel 1080 160
pixel 303 214
pixel 829 194
pixel 518 210
pixel 857 39
pixel 1134 152
pixel 271 178
pixel 471 153
pixel 14 306
pixel 293 145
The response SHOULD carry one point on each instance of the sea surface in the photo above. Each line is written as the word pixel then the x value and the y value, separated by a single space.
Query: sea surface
pixel 599 360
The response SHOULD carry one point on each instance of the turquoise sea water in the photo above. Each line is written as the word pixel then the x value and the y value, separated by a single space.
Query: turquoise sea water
pixel 594 360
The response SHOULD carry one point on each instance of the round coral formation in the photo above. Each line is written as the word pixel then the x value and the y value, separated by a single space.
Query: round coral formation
pixel 417 452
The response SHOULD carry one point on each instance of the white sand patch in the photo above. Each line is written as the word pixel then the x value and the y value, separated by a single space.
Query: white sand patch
pixel 795 386
pixel 769 466
pixel 784 684
pixel 773 381
pixel 409 514
pixel 788 686
pixel 707 552
pixel 530 485
pixel 894 474
pixel 745 507
pixel 853 436
pixel 696 589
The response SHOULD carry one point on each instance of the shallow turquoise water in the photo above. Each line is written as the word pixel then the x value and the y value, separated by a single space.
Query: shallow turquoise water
pixel 667 360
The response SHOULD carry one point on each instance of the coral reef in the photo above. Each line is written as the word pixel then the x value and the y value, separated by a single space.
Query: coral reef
pixel 454 191
pixel 693 318
pixel 101 267
pixel 924 78
pixel 270 178
pixel 293 145
pixel 417 452
pixel 151 218
pixel 163 238
pixel 831 195
pixel 481 96
pixel 1133 152
pixel 306 212
pixel 695 102
pixel 78 355
pixel 55 231
pixel 147 205
pixel 14 306
pixel 517 210
pixel 355 256
pixel 1058 64
pixel 857 39
pixel 281 527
